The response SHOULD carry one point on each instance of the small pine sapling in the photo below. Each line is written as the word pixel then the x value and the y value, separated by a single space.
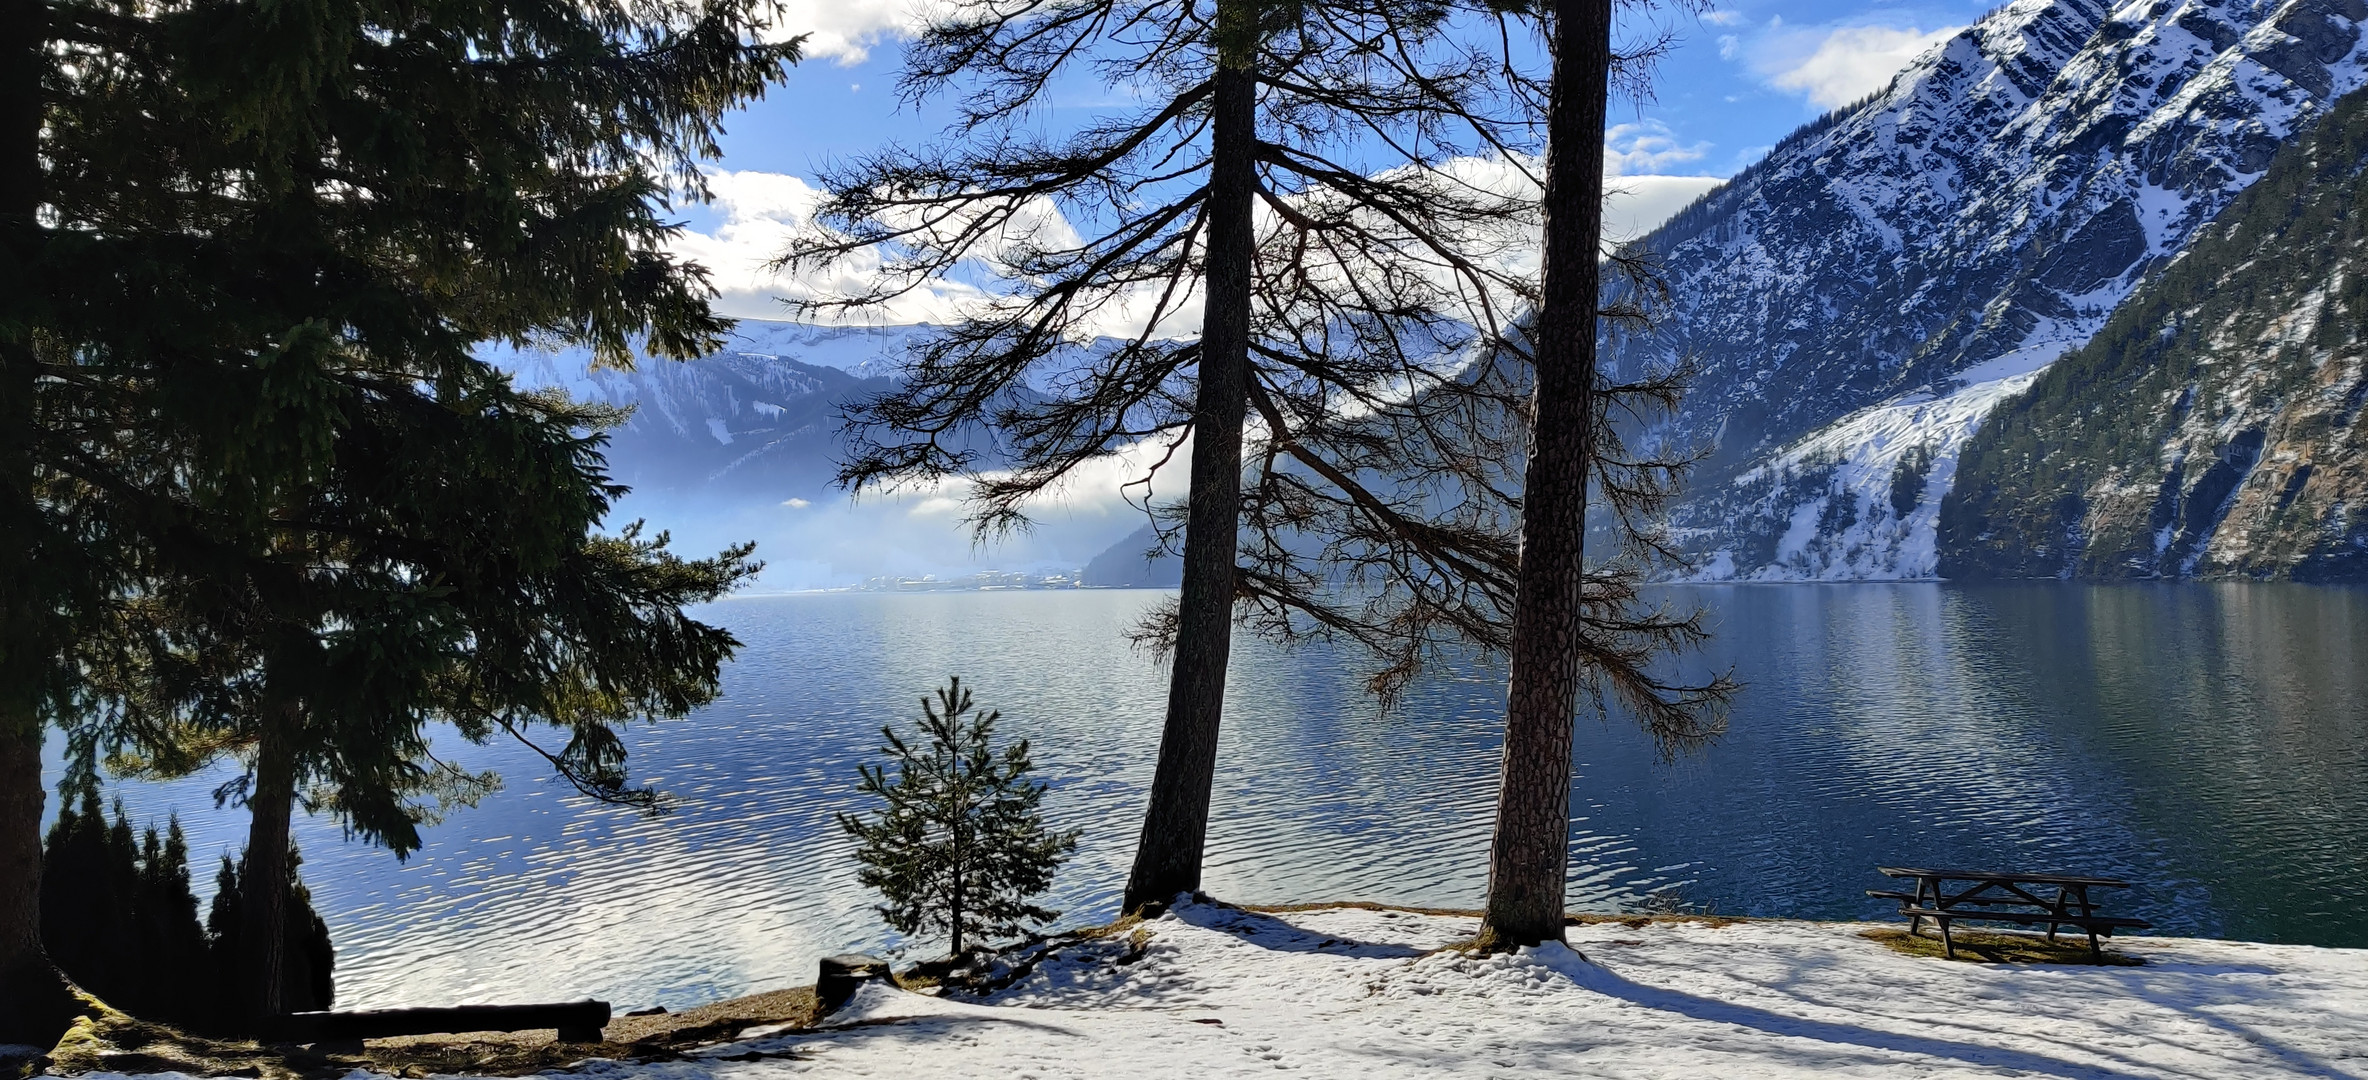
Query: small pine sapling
pixel 960 846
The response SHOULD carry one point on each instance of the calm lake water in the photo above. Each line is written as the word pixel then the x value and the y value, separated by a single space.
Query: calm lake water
pixel 2208 741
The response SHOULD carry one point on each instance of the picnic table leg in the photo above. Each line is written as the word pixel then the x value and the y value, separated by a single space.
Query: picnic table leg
pixel 1948 945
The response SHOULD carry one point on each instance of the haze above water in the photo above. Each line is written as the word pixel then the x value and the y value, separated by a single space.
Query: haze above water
pixel 2208 741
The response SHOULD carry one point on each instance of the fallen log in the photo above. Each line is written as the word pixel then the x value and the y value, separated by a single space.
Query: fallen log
pixel 575 1021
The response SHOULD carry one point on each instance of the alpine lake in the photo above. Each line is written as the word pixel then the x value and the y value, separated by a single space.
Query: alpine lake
pixel 2208 742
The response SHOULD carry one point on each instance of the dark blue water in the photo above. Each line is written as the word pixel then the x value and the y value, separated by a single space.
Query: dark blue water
pixel 2210 742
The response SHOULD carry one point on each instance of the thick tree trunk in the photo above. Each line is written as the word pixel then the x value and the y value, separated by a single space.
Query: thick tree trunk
pixel 1530 854
pixel 34 1003
pixel 263 879
pixel 1168 860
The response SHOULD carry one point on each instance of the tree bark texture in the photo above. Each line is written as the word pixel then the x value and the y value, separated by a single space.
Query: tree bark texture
pixel 35 1005
pixel 263 933
pixel 1168 859
pixel 1530 854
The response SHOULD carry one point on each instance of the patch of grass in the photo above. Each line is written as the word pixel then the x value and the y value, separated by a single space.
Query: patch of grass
pixel 1994 947
pixel 1125 923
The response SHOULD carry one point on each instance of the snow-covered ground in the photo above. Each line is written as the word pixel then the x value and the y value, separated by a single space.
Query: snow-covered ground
pixel 1213 991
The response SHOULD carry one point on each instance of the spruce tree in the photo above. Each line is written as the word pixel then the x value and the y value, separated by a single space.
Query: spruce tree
pixel 119 918
pixel 255 480
pixel 959 846
pixel 179 983
pixel 90 874
pixel 308 973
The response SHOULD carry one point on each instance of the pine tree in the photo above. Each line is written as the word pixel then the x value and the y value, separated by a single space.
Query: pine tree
pixel 308 975
pixel 283 508
pixel 1302 237
pixel 89 876
pixel 179 983
pixel 1577 631
pixel 960 846
pixel 119 917
pixel 1309 238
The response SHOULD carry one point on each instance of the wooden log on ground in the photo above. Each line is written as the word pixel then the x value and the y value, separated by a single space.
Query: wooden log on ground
pixel 575 1021
pixel 840 976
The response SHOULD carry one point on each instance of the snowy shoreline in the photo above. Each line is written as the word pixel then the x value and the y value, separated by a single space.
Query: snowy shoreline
pixel 1210 990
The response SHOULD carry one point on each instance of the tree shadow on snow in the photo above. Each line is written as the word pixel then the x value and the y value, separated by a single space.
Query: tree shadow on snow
pixel 2200 990
pixel 1268 932
pixel 1600 980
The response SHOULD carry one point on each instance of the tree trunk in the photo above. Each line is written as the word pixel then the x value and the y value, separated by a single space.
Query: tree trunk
pixel 263 879
pixel 34 1003
pixel 960 836
pixel 1168 859
pixel 1530 854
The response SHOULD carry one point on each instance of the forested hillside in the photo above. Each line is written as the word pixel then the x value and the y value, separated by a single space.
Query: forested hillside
pixel 2214 427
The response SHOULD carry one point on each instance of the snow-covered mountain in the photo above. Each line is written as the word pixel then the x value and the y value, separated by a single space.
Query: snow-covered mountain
pixel 744 445
pixel 758 419
pixel 2216 426
pixel 1860 300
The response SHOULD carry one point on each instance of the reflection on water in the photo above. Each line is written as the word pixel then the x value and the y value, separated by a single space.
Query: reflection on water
pixel 2210 742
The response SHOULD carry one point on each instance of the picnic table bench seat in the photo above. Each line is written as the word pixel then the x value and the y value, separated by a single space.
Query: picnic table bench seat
pixel 1990 896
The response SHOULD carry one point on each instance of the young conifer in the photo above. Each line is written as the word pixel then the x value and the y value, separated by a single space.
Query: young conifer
pixel 118 915
pixel 960 846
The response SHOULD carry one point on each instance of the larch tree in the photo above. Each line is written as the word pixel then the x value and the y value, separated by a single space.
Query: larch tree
pixel 1580 631
pixel 1294 256
pixel 276 502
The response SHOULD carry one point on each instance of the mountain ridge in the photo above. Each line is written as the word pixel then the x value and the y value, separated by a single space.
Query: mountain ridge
pixel 2215 427
pixel 1891 270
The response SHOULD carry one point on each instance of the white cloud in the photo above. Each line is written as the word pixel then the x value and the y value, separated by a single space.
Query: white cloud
pixel 1835 66
pixel 1646 147
pixel 1729 47
pixel 796 504
pixel 846 30
pixel 761 211
pixel 1636 205
pixel 1724 18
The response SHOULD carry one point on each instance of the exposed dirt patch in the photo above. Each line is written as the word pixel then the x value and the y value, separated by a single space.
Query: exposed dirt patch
pixel 1992 947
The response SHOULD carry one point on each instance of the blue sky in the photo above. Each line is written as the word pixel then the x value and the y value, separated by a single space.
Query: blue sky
pixel 1738 78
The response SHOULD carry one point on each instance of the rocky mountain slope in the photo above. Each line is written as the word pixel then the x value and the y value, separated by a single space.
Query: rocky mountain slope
pixel 1861 299
pixel 2215 426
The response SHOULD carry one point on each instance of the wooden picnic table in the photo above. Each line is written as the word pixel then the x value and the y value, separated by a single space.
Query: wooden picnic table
pixel 2057 900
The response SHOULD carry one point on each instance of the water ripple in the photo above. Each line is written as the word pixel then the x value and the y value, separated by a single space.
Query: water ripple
pixel 2208 741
